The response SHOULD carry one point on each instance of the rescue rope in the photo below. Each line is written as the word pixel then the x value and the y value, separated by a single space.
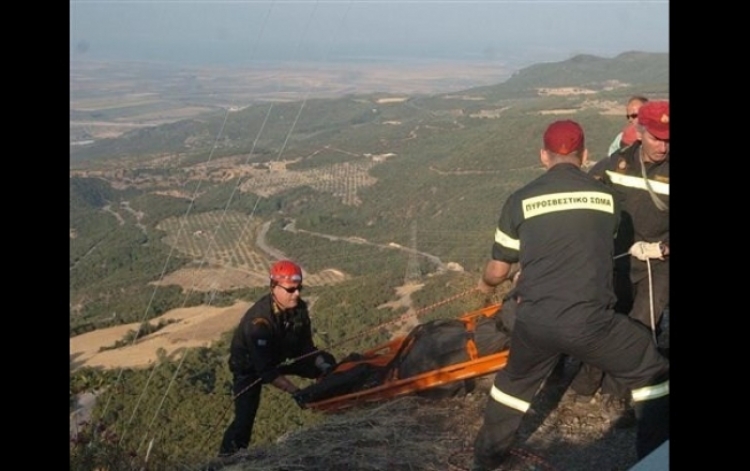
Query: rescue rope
pixel 144 318
pixel 528 456
pixel 525 455
pixel 381 326
pixel 281 150
pixel 416 314
pixel 400 318
pixel 190 207
pixel 661 206
pixel 621 255
pixel 209 435
pixel 651 300
pixel 650 294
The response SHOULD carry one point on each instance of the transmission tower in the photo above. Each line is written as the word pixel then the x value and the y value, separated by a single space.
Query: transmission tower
pixel 413 274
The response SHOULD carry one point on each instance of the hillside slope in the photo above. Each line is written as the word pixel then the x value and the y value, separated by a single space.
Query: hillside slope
pixel 365 191
pixel 415 433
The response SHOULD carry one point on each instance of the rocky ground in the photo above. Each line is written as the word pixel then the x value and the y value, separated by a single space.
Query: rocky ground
pixel 414 433
pixel 417 433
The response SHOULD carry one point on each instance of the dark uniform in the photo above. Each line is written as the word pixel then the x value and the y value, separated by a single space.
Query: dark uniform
pixel 560 227
pixel 265 338
pixel 641 220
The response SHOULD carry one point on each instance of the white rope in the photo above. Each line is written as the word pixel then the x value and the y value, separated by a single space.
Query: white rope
pixel 237 186
pixel 161 277
pixel 651 299
pixel 650 293
pixel 661 206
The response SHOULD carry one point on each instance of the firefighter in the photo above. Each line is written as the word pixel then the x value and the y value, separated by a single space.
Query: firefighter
pixel 639 175
pixel 276 328
pixel 560 228
pixel 631 115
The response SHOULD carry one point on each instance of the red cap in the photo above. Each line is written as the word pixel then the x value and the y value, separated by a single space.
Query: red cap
pixel 563 137
pixel 654 116
pixel 629 135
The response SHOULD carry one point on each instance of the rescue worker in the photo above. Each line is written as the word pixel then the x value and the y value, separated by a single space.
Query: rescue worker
pixel 632 108
pixel 560 227
pixel 639 174
pixel 276 328
pixel 629 136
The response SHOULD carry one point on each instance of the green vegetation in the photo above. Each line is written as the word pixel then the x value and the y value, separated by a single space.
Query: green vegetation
pixel 139 219
pixel 183 403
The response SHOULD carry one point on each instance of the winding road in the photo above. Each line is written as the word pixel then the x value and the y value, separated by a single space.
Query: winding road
pixel 261 242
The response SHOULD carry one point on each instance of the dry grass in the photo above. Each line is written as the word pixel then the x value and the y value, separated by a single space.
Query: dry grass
pixel 406 434
pixel 414 433
pixel 190 327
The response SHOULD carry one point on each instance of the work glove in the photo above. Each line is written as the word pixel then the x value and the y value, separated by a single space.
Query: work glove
pixel 325 362
pixel 300 398
pixel 646 250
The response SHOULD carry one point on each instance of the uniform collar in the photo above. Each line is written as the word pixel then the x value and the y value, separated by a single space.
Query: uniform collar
pixel 648 165
pixel 278 310
pixel 275 308
pixel 564 166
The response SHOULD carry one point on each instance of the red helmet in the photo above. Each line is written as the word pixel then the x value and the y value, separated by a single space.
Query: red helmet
pixel 285 270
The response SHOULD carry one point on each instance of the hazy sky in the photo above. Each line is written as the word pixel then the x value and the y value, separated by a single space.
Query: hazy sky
pixel 226 31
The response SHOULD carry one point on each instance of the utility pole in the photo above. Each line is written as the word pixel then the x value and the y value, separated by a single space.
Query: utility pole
pixel 413 274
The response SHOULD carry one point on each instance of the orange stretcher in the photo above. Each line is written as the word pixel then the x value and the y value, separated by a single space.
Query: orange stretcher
pixel 394 386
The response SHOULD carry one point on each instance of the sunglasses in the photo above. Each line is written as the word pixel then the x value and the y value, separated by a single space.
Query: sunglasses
pixel 291 289
pixel 631 116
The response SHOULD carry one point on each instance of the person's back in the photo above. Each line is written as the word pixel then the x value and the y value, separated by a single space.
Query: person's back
pixel 567 232
pixel 560 228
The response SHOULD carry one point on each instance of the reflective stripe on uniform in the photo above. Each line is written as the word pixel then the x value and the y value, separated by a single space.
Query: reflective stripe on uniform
pixel 510 401
pixel 595 200
pixel 650 392
pixel 507 241
pixel 639 183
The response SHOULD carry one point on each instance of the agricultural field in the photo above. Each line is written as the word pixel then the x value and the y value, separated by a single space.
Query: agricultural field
pixel 229 250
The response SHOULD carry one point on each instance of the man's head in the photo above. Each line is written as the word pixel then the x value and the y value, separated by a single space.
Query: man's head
pixel 633 107
pixel 653 130
pixel 286 283
pixel 564 141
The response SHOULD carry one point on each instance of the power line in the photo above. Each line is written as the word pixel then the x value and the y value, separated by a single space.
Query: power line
pixel 413 274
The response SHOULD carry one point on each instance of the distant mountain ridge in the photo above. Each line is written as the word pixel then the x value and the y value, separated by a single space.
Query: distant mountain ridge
pixel 374 187
pixel 359 166
pixel 597 73
pixel 584 70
